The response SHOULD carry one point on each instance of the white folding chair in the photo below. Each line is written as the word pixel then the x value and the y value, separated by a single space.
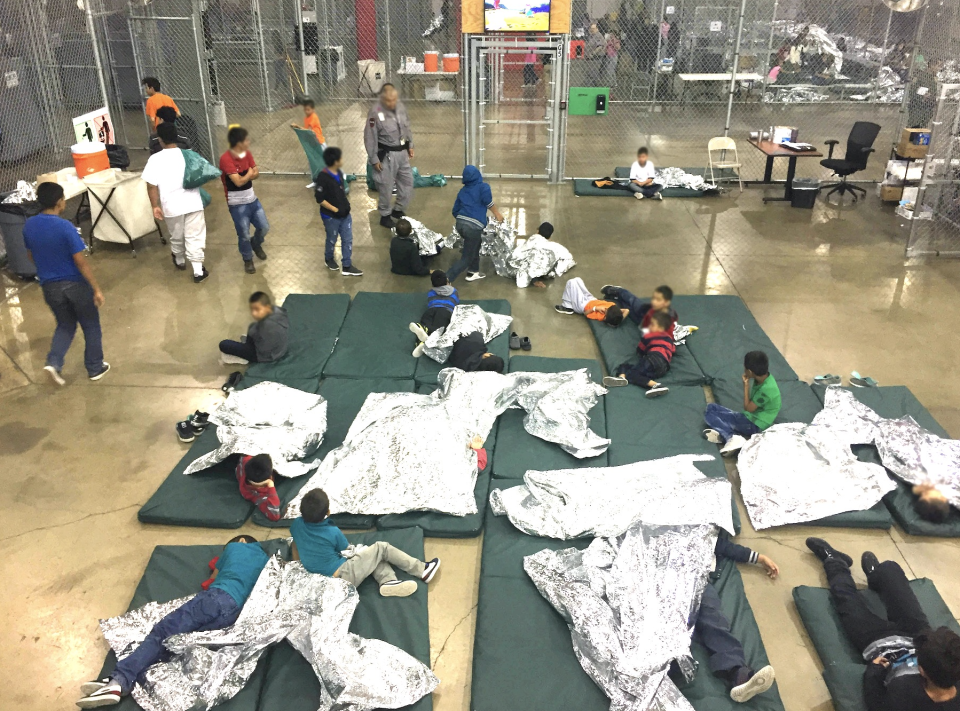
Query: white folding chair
pixel 723 145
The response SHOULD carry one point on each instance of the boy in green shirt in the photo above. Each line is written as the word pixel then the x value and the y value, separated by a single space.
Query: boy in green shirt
pixel 761 405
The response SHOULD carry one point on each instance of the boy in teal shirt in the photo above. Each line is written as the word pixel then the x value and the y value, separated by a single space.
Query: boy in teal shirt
pixel 761 405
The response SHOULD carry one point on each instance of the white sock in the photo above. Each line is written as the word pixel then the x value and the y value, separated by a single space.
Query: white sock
pixel 197 268
pixel 178 258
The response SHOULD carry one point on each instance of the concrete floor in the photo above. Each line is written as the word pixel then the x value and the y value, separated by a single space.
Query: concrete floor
pixel 830 286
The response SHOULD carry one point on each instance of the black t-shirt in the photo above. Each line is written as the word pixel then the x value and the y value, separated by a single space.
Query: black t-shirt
pixel 468 352
pixel 405 258
pixel 905 693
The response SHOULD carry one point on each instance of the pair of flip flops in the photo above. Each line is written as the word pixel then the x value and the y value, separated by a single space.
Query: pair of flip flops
pixel 856 380
pixel 517 343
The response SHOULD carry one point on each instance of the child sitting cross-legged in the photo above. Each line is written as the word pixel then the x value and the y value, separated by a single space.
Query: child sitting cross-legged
pixel 761 405
pixel 656 350
pixel 322 548
pixel 255 477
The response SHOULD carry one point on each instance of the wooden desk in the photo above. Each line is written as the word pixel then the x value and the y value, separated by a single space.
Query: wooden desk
pixel 774 150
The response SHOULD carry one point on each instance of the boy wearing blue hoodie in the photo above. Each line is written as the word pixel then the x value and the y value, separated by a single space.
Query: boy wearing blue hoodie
pixel 470 210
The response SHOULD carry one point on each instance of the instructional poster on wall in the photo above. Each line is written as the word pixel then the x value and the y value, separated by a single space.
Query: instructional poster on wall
pixel 95 126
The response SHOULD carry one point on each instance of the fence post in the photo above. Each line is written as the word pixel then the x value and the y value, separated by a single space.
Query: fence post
pixel 883 54
pixel 298 5
pixel 769 63
pixel 96 56
pixel 386 11
pixel 736 66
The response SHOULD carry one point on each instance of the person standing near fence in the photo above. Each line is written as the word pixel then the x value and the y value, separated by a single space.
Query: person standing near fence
pixel 155 99
pixel 238 171
pixel 68 284
pixel 181 208
pixel 389 143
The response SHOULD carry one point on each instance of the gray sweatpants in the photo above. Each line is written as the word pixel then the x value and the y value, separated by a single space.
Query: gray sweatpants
pixel 394 170
pixel 376 560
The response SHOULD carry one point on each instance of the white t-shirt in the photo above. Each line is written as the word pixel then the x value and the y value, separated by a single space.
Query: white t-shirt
pixel 165 171
pixel 642 172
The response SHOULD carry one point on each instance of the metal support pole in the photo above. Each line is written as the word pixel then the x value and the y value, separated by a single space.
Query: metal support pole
pixel 908 87
pixel 204 87
pixel 386 11
pixel 883 54
pixel 736 66
pixel 303 50
pixel 265 93
pixel 50 97
pixel 656 69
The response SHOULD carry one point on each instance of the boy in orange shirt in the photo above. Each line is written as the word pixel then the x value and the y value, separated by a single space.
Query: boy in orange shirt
pixel 312 122
pixel 577 299
pixel 155 99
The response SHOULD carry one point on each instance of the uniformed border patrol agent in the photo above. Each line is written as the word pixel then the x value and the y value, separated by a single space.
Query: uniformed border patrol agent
pixel 389 143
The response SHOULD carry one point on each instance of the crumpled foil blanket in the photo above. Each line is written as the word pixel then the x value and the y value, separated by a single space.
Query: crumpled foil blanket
pixel 312 612
pixel 408 452
pixel 539 257
pixel 466 319
pixel 628 602
pixel 23 193
pixel 680 333
pixel 679 178
pixel 497 242
pixel 795 95
pixel 888 88
pixel 606 501
pixel 427 240
pixel 268 418
pixel 818 39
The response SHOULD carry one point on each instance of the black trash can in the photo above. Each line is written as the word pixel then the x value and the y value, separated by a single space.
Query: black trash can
pixel 804 191
pixel 13 216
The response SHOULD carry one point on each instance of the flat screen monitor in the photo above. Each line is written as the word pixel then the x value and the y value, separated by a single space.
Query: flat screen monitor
pixel 516 15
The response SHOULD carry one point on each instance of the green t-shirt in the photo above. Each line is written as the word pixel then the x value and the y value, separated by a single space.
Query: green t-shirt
pixel 766 396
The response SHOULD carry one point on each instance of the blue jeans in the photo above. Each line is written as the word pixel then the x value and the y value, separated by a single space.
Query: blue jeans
pixel 628 300
pixel 470 255
pixel 72 304
pixel 712 630
pixel 211 609
pixel 728 422
pixel 647 190
pixel 343 228
pixel 243 216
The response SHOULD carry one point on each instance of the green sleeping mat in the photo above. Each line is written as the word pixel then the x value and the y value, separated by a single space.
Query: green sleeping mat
pixel 209 498
pixel 345 397
pixel 843 665
pixel 719 173
pixel 427 368
pixel 307 385
pixel 892 402
pixel 619 345
pixel 519 451
pixel 521 640
pixel 283 680
pixel 315 322
pixel 584 186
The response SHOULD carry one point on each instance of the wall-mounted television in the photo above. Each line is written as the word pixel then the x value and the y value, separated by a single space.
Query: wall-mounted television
pixel 516 15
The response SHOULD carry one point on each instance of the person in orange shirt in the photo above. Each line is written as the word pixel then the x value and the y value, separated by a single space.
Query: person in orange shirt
pixel 577 299
pixel 155 99
pixel 312 122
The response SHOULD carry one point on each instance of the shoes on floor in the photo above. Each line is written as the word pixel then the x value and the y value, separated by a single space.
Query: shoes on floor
pixel 248 267
pixel 419 331
pixel 514 341
pixel 232 381
pixel 475 276
pixel 106 695
pixel 185 432
pixel 199 421
pixel 615 381
pixel 859 381
pixel 825 551
pixel 561 309
pixel 712 436
pixel 332 265
pixel 757 684
pixel 525 344
pixel 201 277
pixel 733 445
pixel 398 588
pixel 351 271
pixel 869 563
pixel 607 288
pixel 182 266
pixel 430 570
pixel 656 391
pixel 827 379
pixel 387 221
pixel 258 250
pixel 103 371
pixel 55 375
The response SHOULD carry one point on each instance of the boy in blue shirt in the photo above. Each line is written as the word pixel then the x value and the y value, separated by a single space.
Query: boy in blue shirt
pixel 320 548
pixel 237 571
pixel 442 299
pixel 470 210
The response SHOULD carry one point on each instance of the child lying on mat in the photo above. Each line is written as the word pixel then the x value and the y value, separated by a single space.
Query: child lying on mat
pixel 656 350
pixel 267 337
pixel 442 299
pixel 639 311
pixel 213 608
pixel 911 666
pixel 255 478
pixel 577 299
pixel 470 354
pixel 761 405
pixel 323 549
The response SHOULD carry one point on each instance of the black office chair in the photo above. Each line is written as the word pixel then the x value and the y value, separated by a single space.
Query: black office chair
pixel 859 147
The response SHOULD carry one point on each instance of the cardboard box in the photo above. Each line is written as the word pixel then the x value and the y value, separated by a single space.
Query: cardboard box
pixel 906 148
pixel 891 193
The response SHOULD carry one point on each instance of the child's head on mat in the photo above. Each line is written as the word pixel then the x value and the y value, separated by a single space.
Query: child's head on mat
pixel 315 506
pixel 438 278
pixel 489 361
pixel 333 157
pixel 259 470
pixel 662 296
pixel 661 320
pixel 613 316
pixel 931 504
pixel 642 155
pixel 545 230
pixel 404 228
pixel 242 538
pixel 938 656
pixel 756 364
pixel 260 305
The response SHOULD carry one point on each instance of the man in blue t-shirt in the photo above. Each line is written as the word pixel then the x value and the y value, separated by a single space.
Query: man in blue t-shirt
pixel 69 287
pixel 236 573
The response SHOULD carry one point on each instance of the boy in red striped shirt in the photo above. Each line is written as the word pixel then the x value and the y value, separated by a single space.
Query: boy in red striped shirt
pixel 656 349
pixel 255 477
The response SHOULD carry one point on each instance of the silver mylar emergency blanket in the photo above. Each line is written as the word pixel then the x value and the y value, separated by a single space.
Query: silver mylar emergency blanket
pixel 629 602
pixel 606 501
pixel 268 418
pixel 538 257
pixel 409 452
pixel 466 319
pixel 497 242
pixel 679 178
pixel 427 240
pixel 312 612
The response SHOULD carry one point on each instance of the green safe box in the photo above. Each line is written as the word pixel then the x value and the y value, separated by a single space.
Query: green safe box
pixel 583 100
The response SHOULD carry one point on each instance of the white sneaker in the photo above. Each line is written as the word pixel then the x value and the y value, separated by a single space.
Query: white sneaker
pixel 418 351
pixel 657 391
pixel 430 569
pixel 106 695
pixel 88 687
pixel 227 359
pixel 419 331
pixel 758 683
pixel 475 276
pixel 55 375
pixel 398 588
pixel 638 196
pixel 614 381
pixel 712 436
pixel 733 445
pixel 658 196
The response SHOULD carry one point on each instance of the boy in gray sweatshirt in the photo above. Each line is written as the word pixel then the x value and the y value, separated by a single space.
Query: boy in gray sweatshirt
pixel 267 336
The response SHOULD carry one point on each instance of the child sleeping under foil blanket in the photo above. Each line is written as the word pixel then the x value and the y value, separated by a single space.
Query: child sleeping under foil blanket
pixel 465 319
pixel 794 473
pixel 409 452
